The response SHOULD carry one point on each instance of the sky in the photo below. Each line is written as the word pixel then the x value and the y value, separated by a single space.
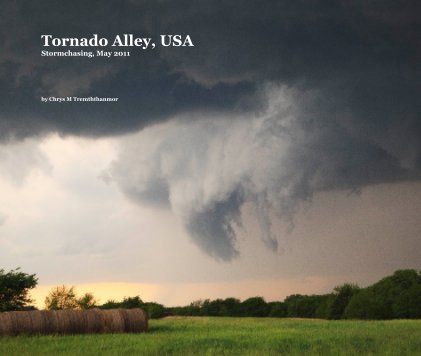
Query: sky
pixel 278 155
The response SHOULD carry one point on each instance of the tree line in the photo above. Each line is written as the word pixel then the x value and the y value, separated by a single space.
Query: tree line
pixel 395 296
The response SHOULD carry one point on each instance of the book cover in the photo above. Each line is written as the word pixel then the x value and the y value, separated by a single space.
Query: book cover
pixel 189 150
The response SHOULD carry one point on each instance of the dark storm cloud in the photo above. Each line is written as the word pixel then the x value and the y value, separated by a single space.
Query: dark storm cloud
pixel 148 87
pixel 212 229
pixel 349 70
pixel 363 56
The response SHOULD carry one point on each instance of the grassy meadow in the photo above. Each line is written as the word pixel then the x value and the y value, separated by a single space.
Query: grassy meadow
pixel 235 336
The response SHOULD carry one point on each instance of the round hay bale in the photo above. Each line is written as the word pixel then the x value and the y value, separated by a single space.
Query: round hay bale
pixel 69 316
pixel 136 320
pixel 51 322
pixel 145 320
pixel 6 324
pixel 73 321
pixel 21 322
pixel 58 322
pixel 78 324
pixel 94 321
pixel 37 322
pixel 13 323
pixel 63 323
pixel 113 321
pixel 83 321
pixel 2 324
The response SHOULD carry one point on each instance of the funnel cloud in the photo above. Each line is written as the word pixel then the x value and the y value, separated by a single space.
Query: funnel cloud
pixel 204 169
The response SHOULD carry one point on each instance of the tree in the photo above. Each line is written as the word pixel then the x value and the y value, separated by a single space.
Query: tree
pixel 395 296
pixel 110 304
pixel 14 289
pixel 342 296
pixel 61 297
pixel 126 303
pixel 365 305
pixel 197 307
pixel 232 306
pixel 255 306
pixel 215 307
pixel 324 306
pixel 87 301
pixel 131 302
pixel 277 309
pixel 155 310
pixel 408 304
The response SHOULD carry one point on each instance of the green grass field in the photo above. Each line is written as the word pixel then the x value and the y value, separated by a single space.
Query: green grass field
pixel 235 336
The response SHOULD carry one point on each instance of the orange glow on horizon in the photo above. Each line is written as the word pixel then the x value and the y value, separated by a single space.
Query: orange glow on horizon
pixel 172 294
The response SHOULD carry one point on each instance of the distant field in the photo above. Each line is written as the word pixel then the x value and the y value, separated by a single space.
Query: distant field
pixel 235 336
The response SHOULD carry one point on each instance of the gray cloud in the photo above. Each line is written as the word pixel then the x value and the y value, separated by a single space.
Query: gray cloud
pixel 205 169
pixel 19 159
pixel 362 57
pixel 340 110
pixel 65 83
pixel 149 87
